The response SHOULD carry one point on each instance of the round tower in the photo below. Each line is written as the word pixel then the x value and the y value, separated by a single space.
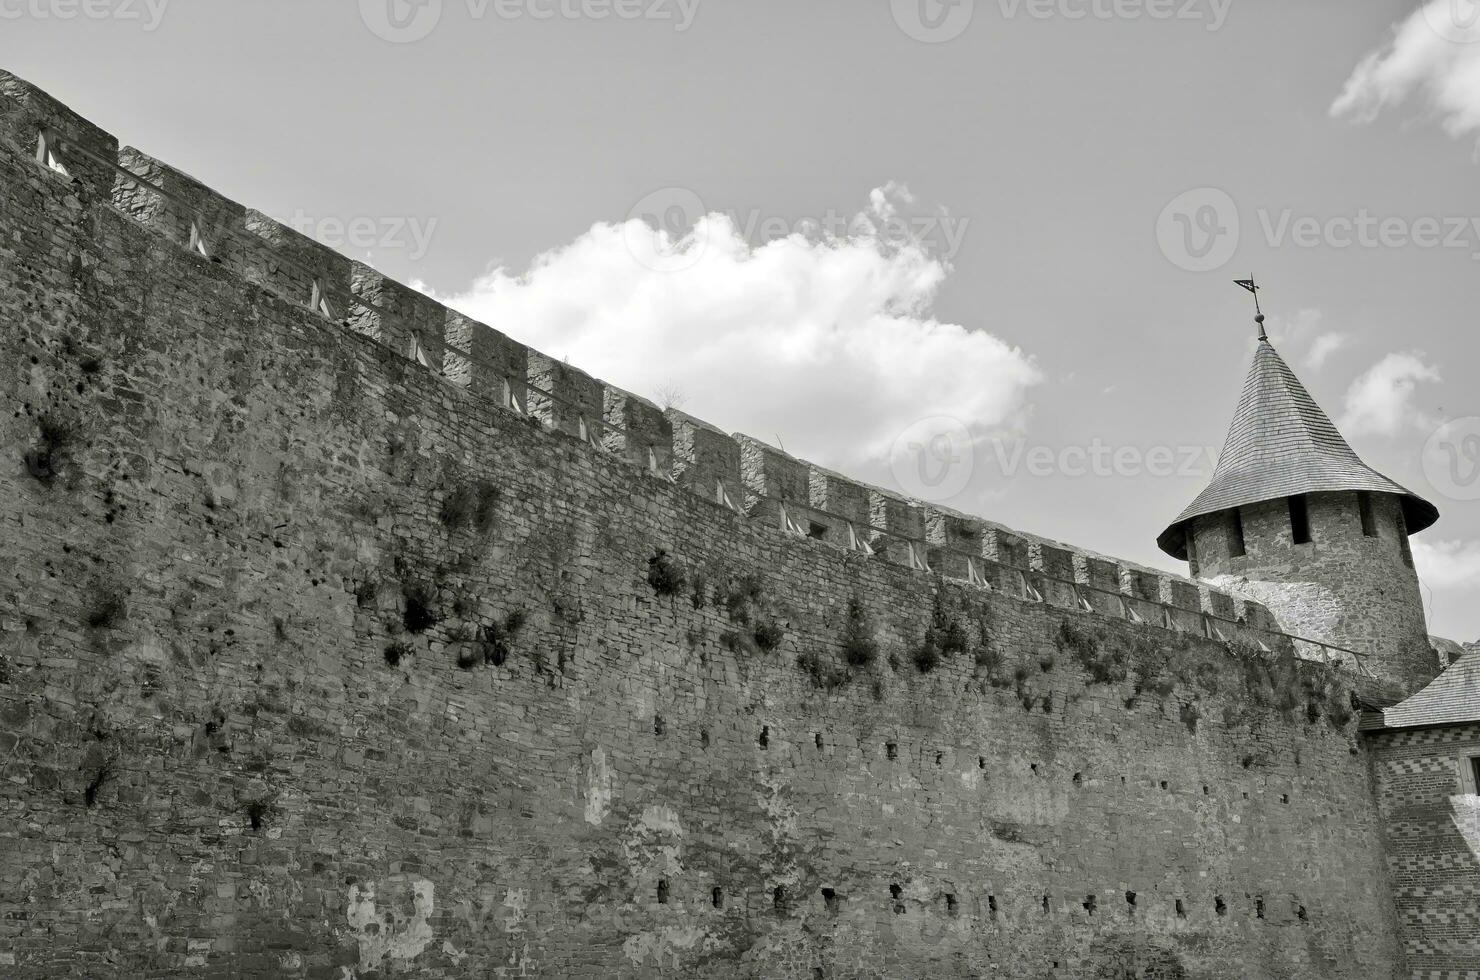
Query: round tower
pixel 1295 519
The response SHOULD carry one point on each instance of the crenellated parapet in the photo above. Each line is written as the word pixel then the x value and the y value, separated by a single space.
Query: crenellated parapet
pixel 755 480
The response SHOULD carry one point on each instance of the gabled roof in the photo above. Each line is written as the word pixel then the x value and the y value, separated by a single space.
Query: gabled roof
pixel 1280 444
pixel 1452 698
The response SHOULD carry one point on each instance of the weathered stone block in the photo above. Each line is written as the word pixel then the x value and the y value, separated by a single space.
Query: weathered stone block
pixel 638 431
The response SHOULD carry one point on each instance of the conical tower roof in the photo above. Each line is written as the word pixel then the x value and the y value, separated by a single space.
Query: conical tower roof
pixel 1281 444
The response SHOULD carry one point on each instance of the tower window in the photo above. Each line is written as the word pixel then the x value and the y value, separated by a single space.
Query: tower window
pixel 1192 562
pixel 1236 546
pixel 1364 507
pixel 1299 520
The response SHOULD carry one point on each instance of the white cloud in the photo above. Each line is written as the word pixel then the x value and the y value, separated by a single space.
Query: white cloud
pixel 1380 401
pixel 827 341
pixel 1322 347
pixel 1434 54
pixel 1304 335
pixel 1448 565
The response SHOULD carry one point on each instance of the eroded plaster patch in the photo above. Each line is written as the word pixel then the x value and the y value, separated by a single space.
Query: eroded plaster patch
pixel 381 932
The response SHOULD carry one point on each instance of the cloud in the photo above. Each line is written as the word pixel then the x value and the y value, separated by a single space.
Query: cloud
pixel 1435 55
pixel 1380 401
pixel 1324 346
pixel 1448 565
pixel 1303 335
pixel 825 340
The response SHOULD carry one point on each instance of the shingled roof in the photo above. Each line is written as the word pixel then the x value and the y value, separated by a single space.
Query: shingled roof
pixel 1452 698
pixel 1280 444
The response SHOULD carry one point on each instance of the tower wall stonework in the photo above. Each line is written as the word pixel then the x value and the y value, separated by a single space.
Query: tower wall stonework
pixel 1430 805
pixel 1343 587
pixel 319 661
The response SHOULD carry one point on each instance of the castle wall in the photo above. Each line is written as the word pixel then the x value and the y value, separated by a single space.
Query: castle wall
pixel 315 662
pixel 1431 818
pixel 1344 588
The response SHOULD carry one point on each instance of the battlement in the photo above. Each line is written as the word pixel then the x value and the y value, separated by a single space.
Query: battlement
pixel 796 498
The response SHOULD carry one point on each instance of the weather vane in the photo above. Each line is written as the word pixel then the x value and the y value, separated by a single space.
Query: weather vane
pixel 1258 313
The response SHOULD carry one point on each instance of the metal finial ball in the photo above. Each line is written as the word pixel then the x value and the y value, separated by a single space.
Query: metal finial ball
pixel 1259 318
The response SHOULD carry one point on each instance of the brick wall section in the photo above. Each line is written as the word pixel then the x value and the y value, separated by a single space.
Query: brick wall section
pixel 1431 822
pixel 266 708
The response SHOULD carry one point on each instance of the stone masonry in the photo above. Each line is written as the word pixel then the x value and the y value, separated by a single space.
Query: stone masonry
pixel 327 656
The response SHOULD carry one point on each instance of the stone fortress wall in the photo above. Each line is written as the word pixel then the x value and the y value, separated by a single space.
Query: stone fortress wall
pixel 346 637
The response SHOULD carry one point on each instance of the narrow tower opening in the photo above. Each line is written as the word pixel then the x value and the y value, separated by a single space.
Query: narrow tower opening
pixel 1236 546
pixel 1299 519
pixel 1364 508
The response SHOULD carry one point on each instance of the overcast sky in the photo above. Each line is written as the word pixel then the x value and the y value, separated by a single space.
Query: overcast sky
pixel 1002 234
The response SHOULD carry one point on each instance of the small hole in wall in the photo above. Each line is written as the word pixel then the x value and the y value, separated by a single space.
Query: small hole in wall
pixel 1246 796
pixel 1181 910
pixel 1284 797
pixel 981 762
pixel 817 973
pixel 896 895
pixel 662 891
pixel 704 738
pixel 830 899
pixel 992 906
pixel 1163 784
pixel 1045 905
pixel 1130 901
pixel 1033 766
pixel 951 906
pixel 658 728
pixel 1079 779
pixel 817 739
pixel 765 739
pixel 1205 791
pixel 717 898
pixel 1089 904
pixel 939 756
pixel 1220 906
pixel 1259 906
pixel 1301 914
pixel 891 750
pixel 778 898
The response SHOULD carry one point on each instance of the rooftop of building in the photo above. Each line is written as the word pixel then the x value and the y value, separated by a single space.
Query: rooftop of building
pixel 1281 444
